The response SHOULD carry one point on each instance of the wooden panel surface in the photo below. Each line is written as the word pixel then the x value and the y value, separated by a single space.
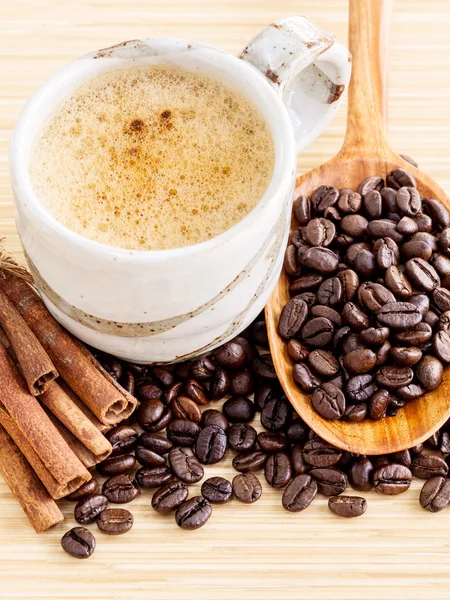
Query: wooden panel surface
pixel 396 550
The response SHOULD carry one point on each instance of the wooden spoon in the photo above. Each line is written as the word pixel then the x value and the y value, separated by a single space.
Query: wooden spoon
pixel 365 152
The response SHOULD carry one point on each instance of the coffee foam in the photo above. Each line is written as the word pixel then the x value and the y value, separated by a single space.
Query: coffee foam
pixel 152 157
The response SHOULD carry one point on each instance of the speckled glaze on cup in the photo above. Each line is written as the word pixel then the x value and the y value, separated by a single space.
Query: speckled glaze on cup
pixel 167 305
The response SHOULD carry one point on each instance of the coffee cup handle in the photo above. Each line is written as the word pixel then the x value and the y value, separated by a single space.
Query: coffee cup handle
pixel 307 68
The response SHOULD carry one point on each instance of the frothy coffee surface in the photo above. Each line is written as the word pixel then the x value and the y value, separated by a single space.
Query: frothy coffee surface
pixel 152 157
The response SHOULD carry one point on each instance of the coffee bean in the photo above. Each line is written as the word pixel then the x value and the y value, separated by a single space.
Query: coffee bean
pixel 410 392
pixel 241 437
pixel 201 368
pixel 214 417
pixel 441 263
pixel 318 453
pixel 278 470
pixel 374 336
pixel 438 213
pixel 163 376
pixel 415 336
pixel 297 431
pixel 360 361
pixel 435 494
pixel 146 390
pixel 355 413
pixel 297 351
pixel 217 490
pixel 173 392
pixel 407 226
pixel 299 493
pixel 400 178
pixel 115 521
pixel 408 201
pixel 120 489
pixel 383 353
pixel 272 442
pixel 360 474
pixel 211 445
pixel 263 367
pixel 374 295
pixel 116 465
pixel 197 392
pixel 148 458
pixel 320 259
pixel 354 317
pixel 88 488
pixel 78 542
pixel 391 376
pixel 422 275
pixel 167 498
pixel 185 408
pixel 231 356
pixel 302 210
pixel 384 228
pixel 378 404
pixel 330 482
pixel 347 506
pixel 299 465
pixel 193 513
pixel 329 401
pixel 397 282
pixel 392 479
pixel 155 442
pixel 323 362
pixel 258 332
pixel 122 438
pixel 182 433
pixel 304 377
pixel 349 201
pixel 239 409
pixel 406 356
pixel 426 466
pixel 441 298
pixel 276 414
pixel 399 315
pixel 373 204
pixel 249 461
pixel 361 387
pixel 317 332
pixel 153 478
pixel 152 415
pixel 329 293
pixel 88 508
pixel 429 372
pixel 323 197
pixel 185 465
pixel 219 386
pixel 402 457
pixel 319 232
pixel 246 488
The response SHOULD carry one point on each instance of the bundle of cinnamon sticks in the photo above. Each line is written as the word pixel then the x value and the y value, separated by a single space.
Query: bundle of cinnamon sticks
pixel 55 404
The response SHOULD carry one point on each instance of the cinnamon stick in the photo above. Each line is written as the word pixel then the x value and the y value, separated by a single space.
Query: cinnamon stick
pixel 40 508
pixel 35 364
pixel 35 425
pixel 84 455
pixel 55 489
pixel 102 427
pixel 110 403
pixel 62 406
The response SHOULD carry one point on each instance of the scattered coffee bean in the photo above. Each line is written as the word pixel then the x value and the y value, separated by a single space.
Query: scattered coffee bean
pixel 88 508
pixel 155 442
pixel 426 466
pixel 185 465
pixel 278 470
pixel 116 465
pixel 239 409
pixel 217 490
pixel 167 498
pixel 193 513
pixel 246 488
pixel 153 478
pixel 435 494
pixel 211 445
pixel 330 482
pixel 241 437
pixel 120 489
pixel 299 493
pixel 115 521
pixel 88 488
pixel 249 461
pixel 392 479
pixel 123 439
pixel 78 542
pixel 347 506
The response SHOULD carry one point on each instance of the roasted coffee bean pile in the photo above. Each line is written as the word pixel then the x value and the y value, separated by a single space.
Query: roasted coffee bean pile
pixel 368 324
pixel 175 431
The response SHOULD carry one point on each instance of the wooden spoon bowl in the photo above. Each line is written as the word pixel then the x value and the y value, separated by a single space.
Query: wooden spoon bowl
pixel 365 153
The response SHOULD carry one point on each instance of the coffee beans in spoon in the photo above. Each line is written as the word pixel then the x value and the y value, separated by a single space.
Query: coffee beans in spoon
pixel 373 332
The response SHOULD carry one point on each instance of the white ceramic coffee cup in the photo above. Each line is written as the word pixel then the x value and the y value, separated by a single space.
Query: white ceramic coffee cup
pixel 167 305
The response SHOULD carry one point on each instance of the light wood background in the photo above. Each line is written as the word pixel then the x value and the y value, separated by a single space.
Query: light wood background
pixel 396 550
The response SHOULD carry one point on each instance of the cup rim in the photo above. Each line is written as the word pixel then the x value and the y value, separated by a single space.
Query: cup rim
pixel 285 163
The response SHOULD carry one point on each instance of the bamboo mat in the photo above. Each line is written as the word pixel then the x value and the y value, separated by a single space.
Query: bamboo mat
pixel 396 550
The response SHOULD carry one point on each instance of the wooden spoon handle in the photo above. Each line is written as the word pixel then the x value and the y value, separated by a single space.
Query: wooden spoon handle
pixel 367 95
